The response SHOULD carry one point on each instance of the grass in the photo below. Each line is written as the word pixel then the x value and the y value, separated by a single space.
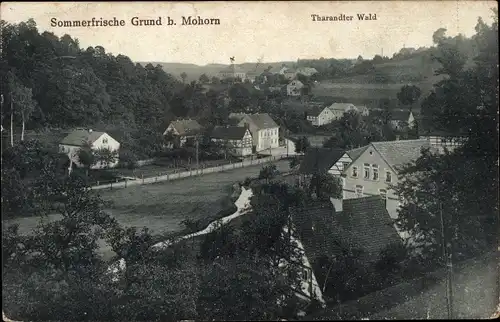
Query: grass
pixel 163 206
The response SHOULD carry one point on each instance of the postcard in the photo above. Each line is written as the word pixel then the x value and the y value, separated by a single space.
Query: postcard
pixel 250 160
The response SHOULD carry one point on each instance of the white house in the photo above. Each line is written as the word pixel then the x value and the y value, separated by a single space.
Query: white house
pixel 401 119
pixel 232 72
pixel 265 132
pixel 294 88
pixel 374 169
pixel 238 139
pixel 80 138
pixel 320 115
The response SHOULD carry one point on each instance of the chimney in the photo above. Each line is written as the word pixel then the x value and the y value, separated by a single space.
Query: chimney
pixel 337 204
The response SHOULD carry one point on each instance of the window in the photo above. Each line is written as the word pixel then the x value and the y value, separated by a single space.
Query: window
pixel 383 193
pixel 355 172
pixel 359 191
pixel 305 275
pixel 388 176
pixel 375 172
pixel 366 171
pixel 105 141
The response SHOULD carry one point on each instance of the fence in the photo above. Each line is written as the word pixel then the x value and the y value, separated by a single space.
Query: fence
pixel 186 174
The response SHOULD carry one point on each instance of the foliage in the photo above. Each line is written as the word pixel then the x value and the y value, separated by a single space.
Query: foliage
pixel 409 94
pixel 325 186
pixel 302 145
pixel 268 172
pixel 452 199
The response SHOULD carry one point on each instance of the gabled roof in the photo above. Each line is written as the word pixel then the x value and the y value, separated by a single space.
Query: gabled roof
pixel 365 224
pixel 261 121
pixel 313 225
pixel 397 153
pixel 187 127
pixel 228 132
pixel 297 83
pixel 341 106
pixel 316 109
pixel 355 153
pixel 80 137
pixel 319 159
pixel 399 115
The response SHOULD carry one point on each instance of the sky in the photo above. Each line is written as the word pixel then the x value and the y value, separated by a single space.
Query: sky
pixel 269 31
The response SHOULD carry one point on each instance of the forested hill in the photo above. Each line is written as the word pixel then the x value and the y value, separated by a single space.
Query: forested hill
pixel 55 83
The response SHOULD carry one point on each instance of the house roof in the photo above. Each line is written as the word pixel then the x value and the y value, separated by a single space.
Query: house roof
pixel 364 223
pixel 400 115
pixel 316 109
pixel 261 121
pixel 355 153
pixel 187 127
pixel 341 106
pixel 313 225
pixel 397 153
pixel 297 83
pixel 319 159
pixel 228 132
pixel 80 137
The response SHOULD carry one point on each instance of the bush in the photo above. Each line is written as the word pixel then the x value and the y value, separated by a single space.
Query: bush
pixel 127 159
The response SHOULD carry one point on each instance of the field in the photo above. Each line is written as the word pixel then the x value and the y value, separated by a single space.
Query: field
pixel 161 207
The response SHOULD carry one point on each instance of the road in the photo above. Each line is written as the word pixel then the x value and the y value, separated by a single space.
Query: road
pixel 162 206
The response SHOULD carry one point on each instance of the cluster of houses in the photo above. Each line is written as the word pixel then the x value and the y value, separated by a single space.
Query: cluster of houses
pixel 251 133
pixel 289 73
pixel 364 217
pixel 320 114
pixel 294 88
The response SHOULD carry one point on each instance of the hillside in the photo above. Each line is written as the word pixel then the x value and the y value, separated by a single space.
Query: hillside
pixel 194 71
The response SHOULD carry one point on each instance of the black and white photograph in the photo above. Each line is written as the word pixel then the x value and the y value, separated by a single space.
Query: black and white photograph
pixel 253 160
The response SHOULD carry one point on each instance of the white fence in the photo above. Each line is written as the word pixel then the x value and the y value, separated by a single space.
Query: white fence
pixel 190 173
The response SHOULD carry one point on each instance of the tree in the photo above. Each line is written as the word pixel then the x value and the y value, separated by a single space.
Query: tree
pixel 105 157
pixel 215 80
pixel 22 101
pixel 325 186
pixel 204 79
pixel 183 76
pixel 268 172
pixel 409 94
pixel 452 199
pixel 439 35
pixel 86 156
pixel 302 145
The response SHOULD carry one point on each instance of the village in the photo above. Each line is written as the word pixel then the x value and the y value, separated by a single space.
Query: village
pixel 315 189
